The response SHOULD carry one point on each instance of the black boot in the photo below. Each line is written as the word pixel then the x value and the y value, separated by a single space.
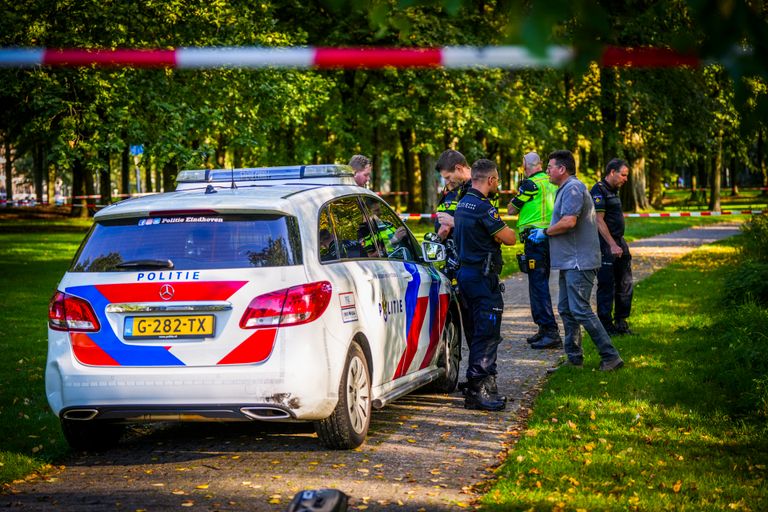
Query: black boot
pixel 477 397
pixel 493 389
pixel 622 327
pixel 551 339
pixel 536 337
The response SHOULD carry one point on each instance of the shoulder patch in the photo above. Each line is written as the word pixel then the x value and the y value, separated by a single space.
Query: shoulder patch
pixel 598 199
pixel 494 214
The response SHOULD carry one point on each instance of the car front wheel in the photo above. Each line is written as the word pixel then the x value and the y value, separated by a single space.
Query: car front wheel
pixel 348 425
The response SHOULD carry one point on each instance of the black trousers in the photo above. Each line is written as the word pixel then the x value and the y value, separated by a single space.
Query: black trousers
pixel 614 285
pixel 483 296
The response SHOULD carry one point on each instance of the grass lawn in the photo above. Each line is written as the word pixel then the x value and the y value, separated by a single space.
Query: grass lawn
pixel 33 256
pixel 681 427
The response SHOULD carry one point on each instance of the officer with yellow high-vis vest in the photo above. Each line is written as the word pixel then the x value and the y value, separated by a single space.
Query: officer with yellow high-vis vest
pixel 534 203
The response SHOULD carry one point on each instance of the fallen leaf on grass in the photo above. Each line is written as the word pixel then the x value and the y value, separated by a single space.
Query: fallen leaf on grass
pixel 201 486
pixel 677 486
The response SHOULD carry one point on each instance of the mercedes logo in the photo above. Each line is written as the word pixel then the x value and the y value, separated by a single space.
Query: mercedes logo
pixel 166 292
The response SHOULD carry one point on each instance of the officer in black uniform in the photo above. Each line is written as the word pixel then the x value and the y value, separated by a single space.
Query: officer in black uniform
pixel 479 233
pixel 614 279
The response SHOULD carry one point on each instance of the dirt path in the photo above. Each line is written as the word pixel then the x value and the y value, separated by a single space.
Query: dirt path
pixel 424 451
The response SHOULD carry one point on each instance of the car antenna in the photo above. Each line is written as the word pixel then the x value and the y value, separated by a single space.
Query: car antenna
pixel 233 178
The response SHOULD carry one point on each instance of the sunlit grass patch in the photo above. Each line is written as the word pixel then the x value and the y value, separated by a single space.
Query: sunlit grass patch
pixel 682 426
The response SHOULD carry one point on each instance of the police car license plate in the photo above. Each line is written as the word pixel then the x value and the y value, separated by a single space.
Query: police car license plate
pixel 181 326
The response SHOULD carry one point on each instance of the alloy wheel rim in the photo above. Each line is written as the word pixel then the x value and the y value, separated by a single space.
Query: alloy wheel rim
pixel 358 395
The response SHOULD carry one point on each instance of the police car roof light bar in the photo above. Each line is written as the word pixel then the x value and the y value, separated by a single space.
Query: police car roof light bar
pixel 264 173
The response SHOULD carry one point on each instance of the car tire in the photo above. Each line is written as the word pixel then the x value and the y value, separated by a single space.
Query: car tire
pixel 347 426
pixel 448 358
pixel 94 436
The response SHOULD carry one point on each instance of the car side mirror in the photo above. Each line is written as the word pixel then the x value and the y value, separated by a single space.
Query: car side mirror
pixel 433 251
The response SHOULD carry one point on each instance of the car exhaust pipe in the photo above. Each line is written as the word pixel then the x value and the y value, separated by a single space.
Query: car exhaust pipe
pixel 80 414
pixel 265 413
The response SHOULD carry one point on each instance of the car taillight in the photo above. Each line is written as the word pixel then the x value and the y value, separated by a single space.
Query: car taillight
pixel 292 306
pixel 69 313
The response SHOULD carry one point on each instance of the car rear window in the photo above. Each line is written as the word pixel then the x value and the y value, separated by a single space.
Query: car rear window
pixel 189 242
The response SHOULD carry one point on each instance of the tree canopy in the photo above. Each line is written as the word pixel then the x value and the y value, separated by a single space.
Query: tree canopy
pixel 77 124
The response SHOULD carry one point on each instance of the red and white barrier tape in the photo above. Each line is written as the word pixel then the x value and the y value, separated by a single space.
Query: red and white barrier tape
pixel 696 214
pixel 433 216
pixel 451 57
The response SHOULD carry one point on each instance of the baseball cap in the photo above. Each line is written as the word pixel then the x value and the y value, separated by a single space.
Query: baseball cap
pixel 531 159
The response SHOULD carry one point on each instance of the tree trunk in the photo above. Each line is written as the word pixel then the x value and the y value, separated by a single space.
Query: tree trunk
pixel 608 99
pixel 8 171
pixel 411 173
pixel 125 172
pixel 158 177
pixel 105 181
pixel 734 173
pixel 80 205
pixel 147 173
pixel 655 188
pixel 396 171
pixel 428 183
pixel 39 167
pixel 169 175
pixel 632 194
pixel 572 141
pixel 237 158
pixel 376 160
pixel 760 159
pixel 714 197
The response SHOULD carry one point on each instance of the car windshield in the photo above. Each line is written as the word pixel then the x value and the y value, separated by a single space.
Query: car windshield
pixel 190 242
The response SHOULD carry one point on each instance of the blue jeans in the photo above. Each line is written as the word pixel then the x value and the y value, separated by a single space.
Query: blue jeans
pixel 483 296
pixel 538 285
pixel 575 310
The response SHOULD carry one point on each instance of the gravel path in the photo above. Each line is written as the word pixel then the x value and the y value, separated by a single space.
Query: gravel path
pixel 424 452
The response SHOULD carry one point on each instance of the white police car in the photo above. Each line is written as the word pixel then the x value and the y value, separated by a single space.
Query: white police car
pixel 275 294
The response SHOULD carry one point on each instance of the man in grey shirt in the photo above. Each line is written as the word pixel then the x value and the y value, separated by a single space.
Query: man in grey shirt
pixel 574 249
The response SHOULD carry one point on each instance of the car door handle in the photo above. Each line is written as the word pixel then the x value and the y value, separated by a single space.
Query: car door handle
pixel 407 277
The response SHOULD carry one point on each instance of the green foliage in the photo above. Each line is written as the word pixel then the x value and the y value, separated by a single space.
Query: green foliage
pixel 748 281
pixel 403 118
pixel 756 238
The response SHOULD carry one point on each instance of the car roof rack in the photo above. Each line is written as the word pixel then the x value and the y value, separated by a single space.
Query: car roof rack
pixel 321 174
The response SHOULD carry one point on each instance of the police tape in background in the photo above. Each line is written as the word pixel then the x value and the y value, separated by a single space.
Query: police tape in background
pixel 433 216
pixel 451 57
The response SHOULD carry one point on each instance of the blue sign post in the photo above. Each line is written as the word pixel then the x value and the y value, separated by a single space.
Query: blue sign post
pixel 137 150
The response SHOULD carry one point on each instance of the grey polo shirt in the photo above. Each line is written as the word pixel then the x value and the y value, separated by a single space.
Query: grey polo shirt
pixel 579 248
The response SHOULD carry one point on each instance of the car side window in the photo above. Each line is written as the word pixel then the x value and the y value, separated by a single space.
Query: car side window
pixel 392 234
pixel 351 228
pixel 326 239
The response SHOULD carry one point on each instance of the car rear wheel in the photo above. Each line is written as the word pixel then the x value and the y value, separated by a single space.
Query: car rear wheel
pixel 91 435
pixel 348 425
pixel 449 358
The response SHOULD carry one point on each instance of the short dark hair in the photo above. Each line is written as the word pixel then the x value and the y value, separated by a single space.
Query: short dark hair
pixel 615 165
pixel 482 168
pixel 359 162
pixel 449 159
pixel 565 158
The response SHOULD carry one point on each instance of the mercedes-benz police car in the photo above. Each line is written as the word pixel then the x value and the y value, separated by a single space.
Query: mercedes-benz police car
pixel 272 294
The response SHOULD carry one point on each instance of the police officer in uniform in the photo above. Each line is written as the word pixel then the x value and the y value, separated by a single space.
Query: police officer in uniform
pixel 534 202
pixel 457 175
pixel 614 279
pixel 479 233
